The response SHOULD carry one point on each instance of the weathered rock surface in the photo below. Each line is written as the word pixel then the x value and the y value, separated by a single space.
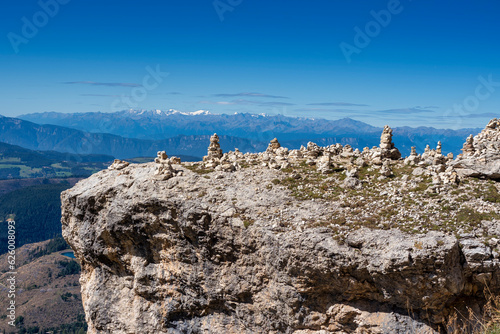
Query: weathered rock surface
pixel 316 240
pixel 481 154
pixel 174 256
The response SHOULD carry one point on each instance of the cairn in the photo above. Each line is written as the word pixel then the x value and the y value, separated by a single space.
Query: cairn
pixel 388 149
pixel 468 147
pixel 164 168
pixel 118 164
pixel 273 145
pixel 214 153
pixel 414 158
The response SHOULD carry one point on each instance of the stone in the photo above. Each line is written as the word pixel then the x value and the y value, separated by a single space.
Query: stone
pixel 351 183
pixel 418 171
pixel 413 152
pixel 387 146
pixel 273 145
pixel 438 148
pixel 243 252
pixel 386 139
pixel 118 164
pixel 175 160
pixel 161 157
pixel 323 164
pixel 214 150
pixel 386 169
pixel 414 158
pixel 481 153
pixel 163 170
pixel 468 147
pixel 353 172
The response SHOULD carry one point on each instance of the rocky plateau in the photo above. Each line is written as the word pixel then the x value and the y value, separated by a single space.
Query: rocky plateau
pixel 316 240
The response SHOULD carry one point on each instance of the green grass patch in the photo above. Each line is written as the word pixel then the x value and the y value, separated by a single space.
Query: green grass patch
pixel 199 169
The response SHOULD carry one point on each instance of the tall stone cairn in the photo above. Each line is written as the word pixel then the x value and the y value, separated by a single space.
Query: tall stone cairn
pixel 387 146
pixel 439 148
pixel 413 152
pixel 214 150
pixel 386 139
pixel 468 147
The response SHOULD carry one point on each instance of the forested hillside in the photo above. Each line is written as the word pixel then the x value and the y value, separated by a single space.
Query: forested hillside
pixel 36 210
pixel 19 162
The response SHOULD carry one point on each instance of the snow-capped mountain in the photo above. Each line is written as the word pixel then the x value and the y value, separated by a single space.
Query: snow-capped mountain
pixel 161 113
pixel 162 124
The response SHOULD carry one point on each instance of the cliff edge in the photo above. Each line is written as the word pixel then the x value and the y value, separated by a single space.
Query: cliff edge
pixel 317 240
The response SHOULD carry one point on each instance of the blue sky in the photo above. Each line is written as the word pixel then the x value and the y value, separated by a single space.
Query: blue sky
pixel 416 63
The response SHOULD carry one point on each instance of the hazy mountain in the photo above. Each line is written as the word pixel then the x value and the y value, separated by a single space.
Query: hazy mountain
pixel 158 124
pixel 52 137
pixel 291 131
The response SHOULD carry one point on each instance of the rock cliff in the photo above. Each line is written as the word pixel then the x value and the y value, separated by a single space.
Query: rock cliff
pixel 481 154
pixel 316 240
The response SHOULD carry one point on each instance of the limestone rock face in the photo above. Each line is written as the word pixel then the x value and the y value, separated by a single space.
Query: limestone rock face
pixel 481 154
pixel 197 253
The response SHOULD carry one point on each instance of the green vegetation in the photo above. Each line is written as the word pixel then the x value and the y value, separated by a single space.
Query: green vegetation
pixel 413 205
pixel 248 222
pixel 55 245
pixel 490 194
pixel 69 268
pixel 199 169
pixel 78 327
pixel 37 212
pixel 306 183
pixel 18 162
pixel 67 296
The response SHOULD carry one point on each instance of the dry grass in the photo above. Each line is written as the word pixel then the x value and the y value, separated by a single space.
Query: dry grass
pixel 472 323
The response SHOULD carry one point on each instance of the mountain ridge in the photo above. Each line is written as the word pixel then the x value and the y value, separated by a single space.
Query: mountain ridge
pixel 183 134
pixel 57 138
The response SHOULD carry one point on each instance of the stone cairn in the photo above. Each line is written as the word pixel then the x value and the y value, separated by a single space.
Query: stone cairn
pixel 214 153
pixel 273 145
pixel 118 164
pixel 468 147
pixel 388 149
pixel 163 169
pixel 485 143
pixel 414 158
pixel 334 157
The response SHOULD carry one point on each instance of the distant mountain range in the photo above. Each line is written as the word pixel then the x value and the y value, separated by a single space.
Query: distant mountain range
pixel 157 125
pixel 142 132
pixel 57 138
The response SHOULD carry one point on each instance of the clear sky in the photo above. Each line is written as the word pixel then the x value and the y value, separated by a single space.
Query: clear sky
pixel 416 63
